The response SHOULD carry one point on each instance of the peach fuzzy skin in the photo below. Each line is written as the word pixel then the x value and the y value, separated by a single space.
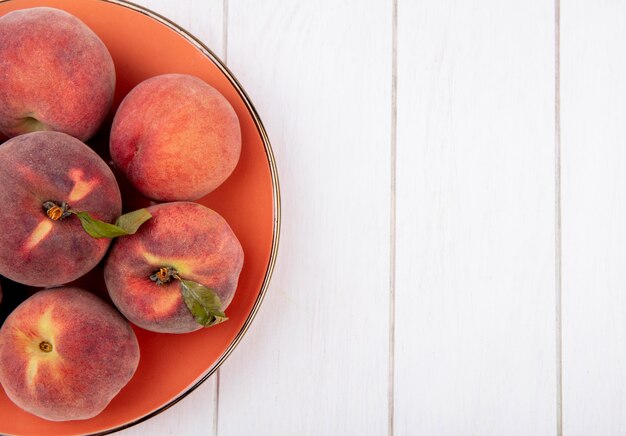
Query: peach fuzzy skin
pixel 175 137
pixel 65 353
pixel 56 74
pixel 43 166
pixel 191 238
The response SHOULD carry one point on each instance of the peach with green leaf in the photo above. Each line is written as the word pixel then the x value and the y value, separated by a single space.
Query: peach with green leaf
pixel 59 202
pixel 65 353
pixel 179 272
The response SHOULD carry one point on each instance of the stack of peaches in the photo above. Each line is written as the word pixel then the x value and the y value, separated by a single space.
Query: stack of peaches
pixel 173 267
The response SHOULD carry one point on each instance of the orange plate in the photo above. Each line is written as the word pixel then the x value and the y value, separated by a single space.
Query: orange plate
pixel 143 44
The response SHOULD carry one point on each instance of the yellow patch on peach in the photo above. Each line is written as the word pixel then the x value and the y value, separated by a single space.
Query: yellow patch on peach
pixel 44 331
pixel 81 187
pixel 38 234
pixel 46 326
pixel 31 371
pixel 181 265
pixel 166 304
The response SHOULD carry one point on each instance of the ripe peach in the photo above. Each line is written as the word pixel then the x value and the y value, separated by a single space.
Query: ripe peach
pixel 175 137
pixel 65 353
pixel 51 166
pixel 56 74
pixel 188 238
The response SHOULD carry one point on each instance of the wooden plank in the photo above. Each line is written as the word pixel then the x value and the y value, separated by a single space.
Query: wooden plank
pixel 315 361
pixel 196 414
pixel 475 295
pixel 593 110
pixel 205 19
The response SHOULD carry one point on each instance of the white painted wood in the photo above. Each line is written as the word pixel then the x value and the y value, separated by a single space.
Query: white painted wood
pixel 194 415
pixel 315 361
pixel 593 114
pixel 202 18
pixel 475 294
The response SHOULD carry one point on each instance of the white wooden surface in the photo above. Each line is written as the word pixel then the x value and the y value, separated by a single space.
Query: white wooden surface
pixel 593 111
pixel 475 330
pixel 435 229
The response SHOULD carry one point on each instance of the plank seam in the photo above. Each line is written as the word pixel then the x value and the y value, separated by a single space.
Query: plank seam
pixel 558 240
pixel 225 31
pixel 216 403
pixel 392 232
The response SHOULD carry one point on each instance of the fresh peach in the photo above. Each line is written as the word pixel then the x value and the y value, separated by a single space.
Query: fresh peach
pixel 182 241
pixel 43 167
pixel 65 353
pixel 56 74
pixel 175 137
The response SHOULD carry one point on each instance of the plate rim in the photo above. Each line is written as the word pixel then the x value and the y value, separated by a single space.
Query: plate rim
pixel 276 205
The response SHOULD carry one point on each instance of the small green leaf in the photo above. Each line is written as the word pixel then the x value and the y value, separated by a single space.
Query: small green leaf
pixel 131 221
pixel 203 303
pixel 126 224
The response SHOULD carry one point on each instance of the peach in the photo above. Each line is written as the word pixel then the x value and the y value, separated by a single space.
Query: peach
pixel 53 167
pixel 191 241
pixel 65 353
pixel 175 137
pixel 56 74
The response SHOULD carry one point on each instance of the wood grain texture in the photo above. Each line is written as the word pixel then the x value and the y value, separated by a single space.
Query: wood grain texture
pixel 196 414
pixel 315 361
pixel 593 138
pixel 475 293
pixel 205 19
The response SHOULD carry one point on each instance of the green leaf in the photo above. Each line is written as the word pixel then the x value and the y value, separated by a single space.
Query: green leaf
pixel 126 224
pixel 203 303
pixel 131 221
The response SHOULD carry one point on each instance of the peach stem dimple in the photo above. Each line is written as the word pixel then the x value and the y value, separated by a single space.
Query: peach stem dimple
pixel 164 275
pixel 45 346
pixel 56 211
